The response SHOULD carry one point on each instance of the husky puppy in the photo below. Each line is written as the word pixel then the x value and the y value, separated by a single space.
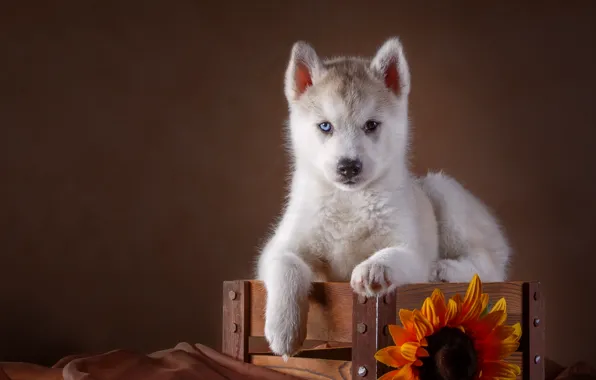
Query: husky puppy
pixel 354 211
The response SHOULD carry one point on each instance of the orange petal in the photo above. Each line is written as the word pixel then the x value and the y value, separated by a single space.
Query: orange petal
pixel 473 313
pixel 506 333
pixel 480 329
pixel 500 305
pixel 406 318
pixel 391 356
pixel 484 300
pixel 498 317
pixel 389 375
pixel 422 325
pixel 400 335
pixel 452 311
pixel 429 312
pixel 499 370
pixel 405 373
pixel 473 293
pixel 409 350
pixel 491 349
pixel 422 353
pixel 438 300
pixel 517 331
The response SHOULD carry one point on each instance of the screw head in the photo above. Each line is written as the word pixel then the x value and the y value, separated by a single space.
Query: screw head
pixel 536 296
pixel 362 299
pixel 386 330
pixel 362 371
pixel 536 322
pixel 232 295
pixel 361 328
pixel 234 327
pixel 386 299
pixel 537 359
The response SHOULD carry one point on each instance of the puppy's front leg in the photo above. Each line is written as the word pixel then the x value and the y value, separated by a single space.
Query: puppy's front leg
pixel 288 280
pixel 388 268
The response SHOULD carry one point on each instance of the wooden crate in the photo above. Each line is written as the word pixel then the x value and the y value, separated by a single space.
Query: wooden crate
pixel 344 331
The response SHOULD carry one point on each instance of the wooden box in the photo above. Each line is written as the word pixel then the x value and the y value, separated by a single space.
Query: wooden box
pixel 344 331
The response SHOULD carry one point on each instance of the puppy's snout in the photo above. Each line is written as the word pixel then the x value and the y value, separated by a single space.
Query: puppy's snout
pixel 349 168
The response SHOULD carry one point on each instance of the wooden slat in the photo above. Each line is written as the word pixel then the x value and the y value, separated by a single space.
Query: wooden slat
pixel 412 296
pixel 310 348
pixel 533 334
pixel 329 314
pixel 364 338
pixel 320 369
pixel 330 320
pixel 236 301
pixel 316 369
pixel 386 315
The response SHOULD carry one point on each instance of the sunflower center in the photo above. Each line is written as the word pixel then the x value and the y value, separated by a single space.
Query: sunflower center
pixel 451 356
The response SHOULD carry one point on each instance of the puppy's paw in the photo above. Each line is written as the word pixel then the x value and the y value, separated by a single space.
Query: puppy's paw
pixel 371 279
pixel 448 270
pixel 284 328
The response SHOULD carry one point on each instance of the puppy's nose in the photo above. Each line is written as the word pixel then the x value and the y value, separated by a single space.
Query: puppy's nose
pixel 348 168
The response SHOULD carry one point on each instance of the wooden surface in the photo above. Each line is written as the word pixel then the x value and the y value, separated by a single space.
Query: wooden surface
pixel 236 301
pixel 412 296
pixel 534 328
pixel 332 320
pixel 364 338
pixel 386 315
pixel 321 369
pixel 316 369
pixel 329 314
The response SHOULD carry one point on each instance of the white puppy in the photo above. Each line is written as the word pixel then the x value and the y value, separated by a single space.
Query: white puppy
pixel 354 211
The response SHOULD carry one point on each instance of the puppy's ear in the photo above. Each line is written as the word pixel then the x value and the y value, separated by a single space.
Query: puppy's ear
pixel 390 65
pixel 304 68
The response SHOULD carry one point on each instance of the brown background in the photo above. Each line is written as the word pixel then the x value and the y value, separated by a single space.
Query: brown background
pixel 142 162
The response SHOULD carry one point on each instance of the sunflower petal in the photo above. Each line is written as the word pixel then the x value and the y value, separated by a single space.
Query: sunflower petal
pixel 422 325
pixel 473 313
pixel 452 311
pixel 481 328
pixel 400 335
pixel 491 349
pixel 422 353
pixel 500 305
pixel 472 294
pixel 484 300
pixel 391 356
pixel 405 373
pixel 429 312
pixel 438 300
pixel 500 370
pixel 409 350
pixel 506 333
pixel 406 318
pixel 389 375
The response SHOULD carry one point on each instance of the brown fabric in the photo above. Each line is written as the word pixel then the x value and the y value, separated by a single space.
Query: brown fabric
pixel 187 362
pixel 183 362
pixel 578 371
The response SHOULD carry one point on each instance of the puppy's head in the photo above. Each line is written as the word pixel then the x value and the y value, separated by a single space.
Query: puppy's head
pixel 348 116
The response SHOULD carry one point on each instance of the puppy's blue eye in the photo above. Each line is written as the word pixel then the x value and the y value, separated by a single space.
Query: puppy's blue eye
pixel 325 126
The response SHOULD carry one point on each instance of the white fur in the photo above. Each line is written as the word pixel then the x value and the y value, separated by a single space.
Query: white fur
pixel 383 231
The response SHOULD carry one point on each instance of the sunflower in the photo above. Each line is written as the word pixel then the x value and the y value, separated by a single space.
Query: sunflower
pixel 458 339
